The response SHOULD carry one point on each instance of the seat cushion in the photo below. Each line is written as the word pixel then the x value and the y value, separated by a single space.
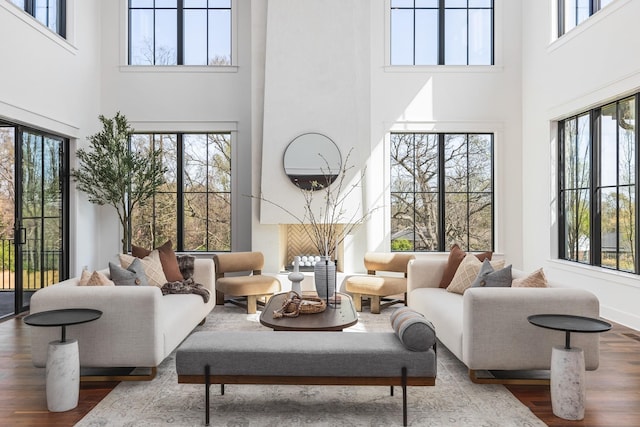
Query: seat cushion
pixel 248 285
pixel 288 353
pixel 376 285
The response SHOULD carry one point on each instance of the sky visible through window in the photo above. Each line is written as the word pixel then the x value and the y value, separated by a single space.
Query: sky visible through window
pixel 466 39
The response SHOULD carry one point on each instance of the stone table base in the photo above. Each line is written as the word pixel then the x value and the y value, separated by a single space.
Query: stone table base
pixel 567 382
pixel 63 375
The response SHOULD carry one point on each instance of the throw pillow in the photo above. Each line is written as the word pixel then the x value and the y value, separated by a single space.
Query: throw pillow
pixel 152 267
pixel 414 331
pixel 94 279
pixel 133 275
pixel 536 279
pixel 467 273
pixel 167 259
pixel 488 277
pixel 456 255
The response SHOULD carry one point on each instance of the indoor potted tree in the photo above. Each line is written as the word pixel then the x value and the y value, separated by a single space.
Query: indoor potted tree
pixel 113 174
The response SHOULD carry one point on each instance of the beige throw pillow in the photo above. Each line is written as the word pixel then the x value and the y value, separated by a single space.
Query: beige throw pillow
pixel 94 279
pixel 152 267
pixel 536 279
pixel 468 271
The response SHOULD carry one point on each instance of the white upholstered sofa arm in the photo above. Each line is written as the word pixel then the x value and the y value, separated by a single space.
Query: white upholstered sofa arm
pixel 204 273
pixel 425 273
pixel 497 335
pixel 130 323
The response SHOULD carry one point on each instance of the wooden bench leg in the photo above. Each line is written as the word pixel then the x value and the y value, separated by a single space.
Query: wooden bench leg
pixel 357 302
pixel 219 298
pixel 375 304
pixel 252 304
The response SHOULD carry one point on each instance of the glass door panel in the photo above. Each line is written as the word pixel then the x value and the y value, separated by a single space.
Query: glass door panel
pixel 7 220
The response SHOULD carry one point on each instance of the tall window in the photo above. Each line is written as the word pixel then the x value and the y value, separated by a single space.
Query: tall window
pixel 441 191
pixel 598 191
pixel 574 12
pixel 193 207
pixel 441 32
pixel 51 13
pixel 180 32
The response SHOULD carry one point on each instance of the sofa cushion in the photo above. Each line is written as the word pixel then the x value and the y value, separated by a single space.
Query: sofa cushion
pixel 133 275
pixel 467 273
pixel 167 259
pixel 489 277
pixel 456 255
pixel 414 331
pixel 94 279
pixel 152 267
pixel 536 279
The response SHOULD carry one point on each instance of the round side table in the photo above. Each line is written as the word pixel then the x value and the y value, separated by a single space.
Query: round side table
pixel 567 363
pixel 63 361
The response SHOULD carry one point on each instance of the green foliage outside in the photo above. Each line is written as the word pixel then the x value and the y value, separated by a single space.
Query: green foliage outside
pixel 401 245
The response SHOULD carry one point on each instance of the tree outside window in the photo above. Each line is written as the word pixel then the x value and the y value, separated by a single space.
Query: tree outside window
pixel 193 207
pixel 441 191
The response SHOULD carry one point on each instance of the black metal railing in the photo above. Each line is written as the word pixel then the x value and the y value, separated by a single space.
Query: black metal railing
pixel 39 268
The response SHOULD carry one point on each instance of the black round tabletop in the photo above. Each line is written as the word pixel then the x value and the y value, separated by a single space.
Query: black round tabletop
pixel 63 317
pixel 569 323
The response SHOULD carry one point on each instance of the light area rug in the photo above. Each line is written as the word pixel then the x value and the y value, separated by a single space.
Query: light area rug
pixel 453 401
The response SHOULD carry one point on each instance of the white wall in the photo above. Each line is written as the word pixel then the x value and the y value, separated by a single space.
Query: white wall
pixel 326 71
pixel 53 84
pixel 182 99
pixel 590 65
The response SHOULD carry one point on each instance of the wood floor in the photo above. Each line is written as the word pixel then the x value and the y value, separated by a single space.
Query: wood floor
pixel 613 391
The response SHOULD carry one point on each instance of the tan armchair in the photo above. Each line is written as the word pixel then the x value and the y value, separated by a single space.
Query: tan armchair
pixel 252 284
pixel 377 286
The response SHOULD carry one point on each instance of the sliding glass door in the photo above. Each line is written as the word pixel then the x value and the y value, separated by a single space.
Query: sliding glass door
pixel 33 207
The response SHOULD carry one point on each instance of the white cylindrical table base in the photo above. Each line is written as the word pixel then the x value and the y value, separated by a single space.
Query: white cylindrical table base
pixel 567 382
pixel 63 375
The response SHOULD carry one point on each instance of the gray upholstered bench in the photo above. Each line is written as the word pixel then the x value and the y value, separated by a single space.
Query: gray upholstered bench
pixel 405 358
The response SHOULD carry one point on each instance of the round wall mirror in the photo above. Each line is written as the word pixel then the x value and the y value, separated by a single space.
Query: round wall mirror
pixel 312 161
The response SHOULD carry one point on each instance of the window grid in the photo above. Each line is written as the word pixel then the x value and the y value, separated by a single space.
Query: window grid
pixel 606 204
pixel 572 13
pixel 440 7
pixel 441 191
pixel 199 171
pixel 50 13
pixel 158 54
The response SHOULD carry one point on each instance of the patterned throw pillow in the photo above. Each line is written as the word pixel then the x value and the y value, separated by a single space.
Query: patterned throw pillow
pixel 467 273
pixel 167 259
pixel 94 279
pixel 152 267
pixel 456 255
pixel 133 275
pixel 536 279
pixel 414 331
pixel 488 277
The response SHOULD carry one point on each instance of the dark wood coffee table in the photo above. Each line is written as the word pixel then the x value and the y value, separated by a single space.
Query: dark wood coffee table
pixel 333 318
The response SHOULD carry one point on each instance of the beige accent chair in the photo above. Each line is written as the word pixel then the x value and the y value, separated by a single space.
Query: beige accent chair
pixel 378 286
pixel 253 285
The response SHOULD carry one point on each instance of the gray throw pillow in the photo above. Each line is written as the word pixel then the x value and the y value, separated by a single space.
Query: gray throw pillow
pixel 414 331
pixel 133 276
pixel 488 277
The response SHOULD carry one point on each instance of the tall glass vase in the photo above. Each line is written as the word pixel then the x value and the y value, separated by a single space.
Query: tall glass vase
pixel 324 273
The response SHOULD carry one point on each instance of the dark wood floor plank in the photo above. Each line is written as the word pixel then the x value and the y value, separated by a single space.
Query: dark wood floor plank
pixel 613 391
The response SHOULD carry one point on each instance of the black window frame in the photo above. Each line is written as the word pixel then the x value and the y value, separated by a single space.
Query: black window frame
pixel 180 193
pixel 180 8
pixel 595 188
pixel 594 6
pixel 442 32
pixel 442 244
pixel 30 7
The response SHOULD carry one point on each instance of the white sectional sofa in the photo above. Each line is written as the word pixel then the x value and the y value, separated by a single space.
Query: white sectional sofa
pixel 139 326
pixel 487 328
